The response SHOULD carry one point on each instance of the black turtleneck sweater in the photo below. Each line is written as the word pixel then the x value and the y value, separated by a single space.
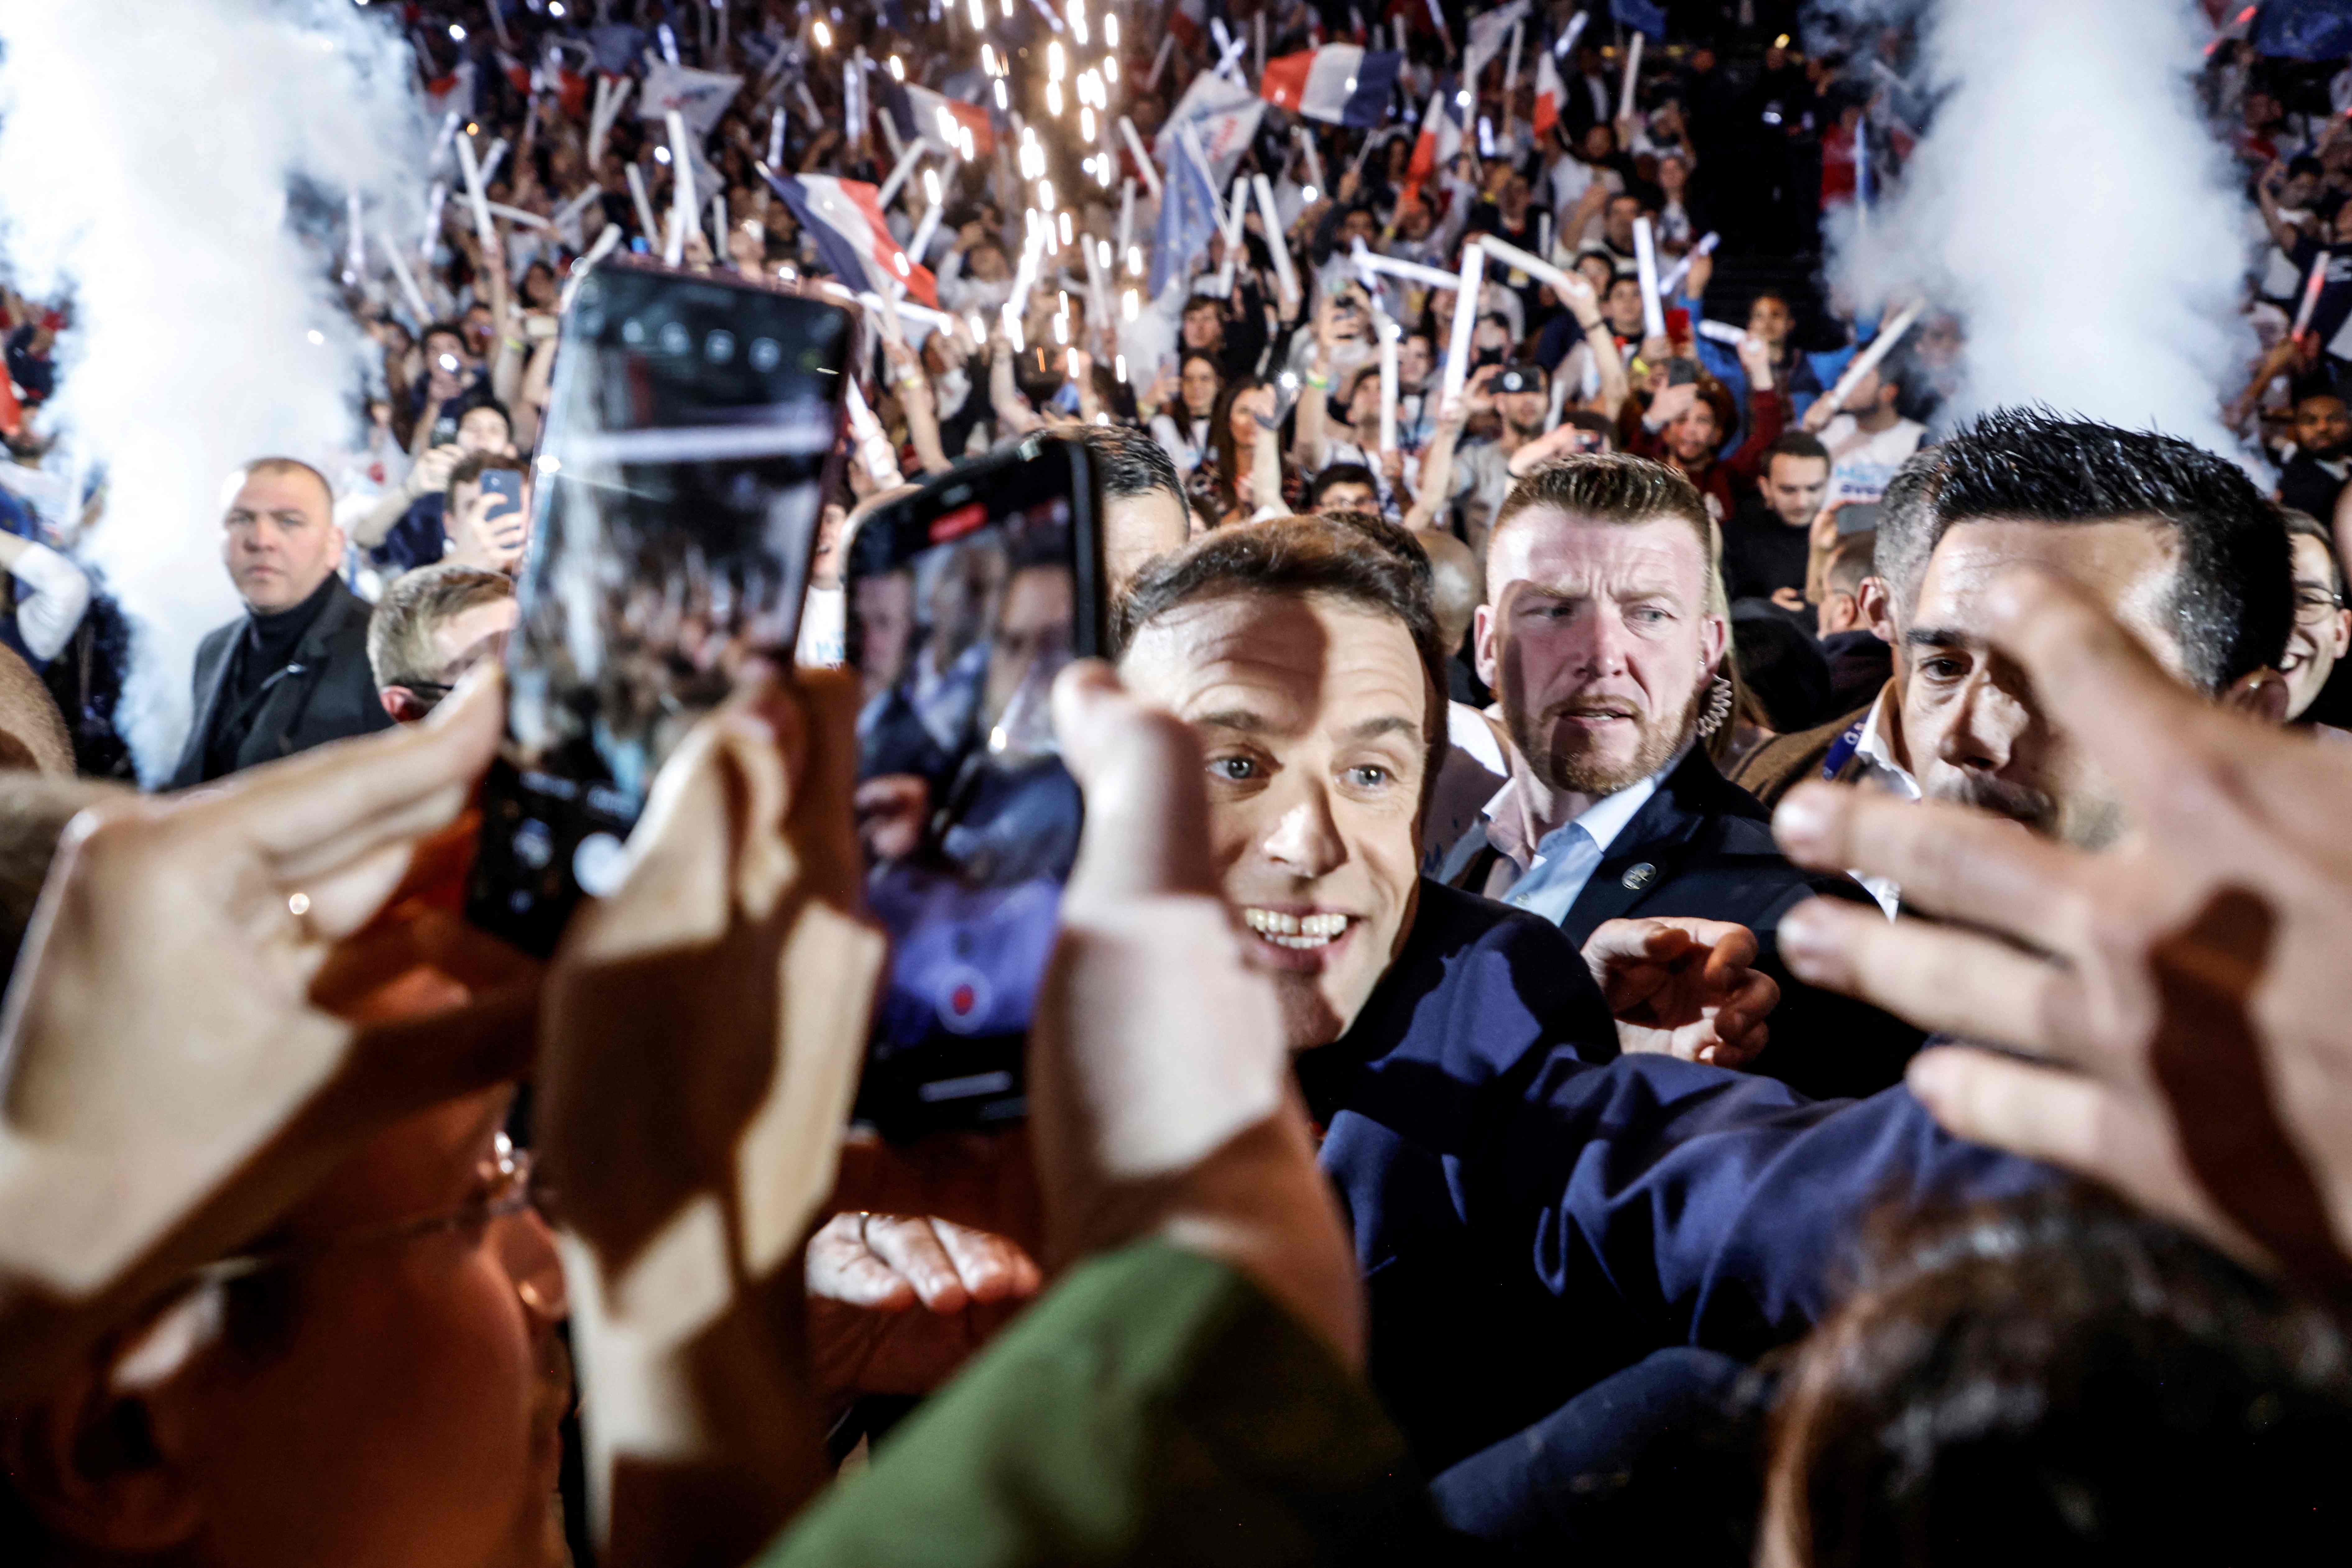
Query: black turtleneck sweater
pixel 266 647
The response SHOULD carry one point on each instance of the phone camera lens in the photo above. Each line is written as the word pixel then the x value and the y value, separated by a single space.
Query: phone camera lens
pixel 719 347
pixel 765 354
pixel 534 847
pixel 674 338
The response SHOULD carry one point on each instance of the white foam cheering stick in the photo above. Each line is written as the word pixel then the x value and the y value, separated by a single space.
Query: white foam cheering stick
pixel 2311 287
pixel 407 281
pixel 645 223
pixel 1435 276
pixel 1387 332
pixel 1645 262
pixel 1722 332
pixel 1126 216
pixel 1465 322
pixel 1632 73
pixel 1870 358
pixel 481 204
pixel 684 211
pixel 873 446
pixel 432 206
pixel 898 177
pixel 1681 270
pixel 1285 277
pixel 1313 159
pixel 441 140
pixel 490 161
pixel 1534 267
pixel 1574 31
pixel 1150 170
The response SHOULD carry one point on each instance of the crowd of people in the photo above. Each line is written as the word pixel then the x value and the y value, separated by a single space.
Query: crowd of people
pixel 1672 951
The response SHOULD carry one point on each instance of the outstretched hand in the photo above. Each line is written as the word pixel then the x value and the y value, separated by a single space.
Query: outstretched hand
pixel 224 992
pixel 1683 987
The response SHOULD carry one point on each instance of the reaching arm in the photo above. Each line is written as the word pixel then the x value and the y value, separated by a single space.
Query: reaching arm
pixel 1437 468
pixel 60 592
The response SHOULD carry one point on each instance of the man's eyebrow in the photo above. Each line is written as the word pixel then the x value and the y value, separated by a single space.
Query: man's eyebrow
pixel 1240 718
pixel 1386 724
pixel 1939 637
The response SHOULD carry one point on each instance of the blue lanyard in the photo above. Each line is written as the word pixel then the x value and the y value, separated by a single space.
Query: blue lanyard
pixel 1842 749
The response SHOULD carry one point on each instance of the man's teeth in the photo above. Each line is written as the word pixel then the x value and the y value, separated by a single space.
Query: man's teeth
pixel 1295 930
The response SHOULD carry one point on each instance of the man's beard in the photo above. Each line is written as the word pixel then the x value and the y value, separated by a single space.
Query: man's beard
pixel 2331 452
pixel 1566 770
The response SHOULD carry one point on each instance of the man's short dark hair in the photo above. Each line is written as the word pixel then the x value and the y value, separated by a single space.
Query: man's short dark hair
pixel 442 329
pixel 1363 562
pixel 2231 603
pixel 1850 562
pixel 496 406
pixel 1205 303
pixel 470 469
pixel 1333 475
pixel 1132 462
pixel 1795 444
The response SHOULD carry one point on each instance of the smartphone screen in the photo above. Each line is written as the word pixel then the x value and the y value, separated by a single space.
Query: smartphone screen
pixel 689 427
pixel 965 601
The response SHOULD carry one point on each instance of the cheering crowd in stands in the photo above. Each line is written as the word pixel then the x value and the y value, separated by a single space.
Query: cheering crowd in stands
pixel 1675 955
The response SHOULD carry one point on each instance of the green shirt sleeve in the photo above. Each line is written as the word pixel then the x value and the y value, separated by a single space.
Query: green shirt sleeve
pixel 1155 1408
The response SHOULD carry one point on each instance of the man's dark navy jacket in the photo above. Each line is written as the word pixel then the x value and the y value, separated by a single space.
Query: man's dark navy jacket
pixel 1532 1214
pixel 1702 846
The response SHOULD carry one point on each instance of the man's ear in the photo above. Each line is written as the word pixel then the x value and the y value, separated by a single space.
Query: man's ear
pixel 87 1464
pixel 2259 693
pixel 1876 608
pixel 405 706
pixel 1483 652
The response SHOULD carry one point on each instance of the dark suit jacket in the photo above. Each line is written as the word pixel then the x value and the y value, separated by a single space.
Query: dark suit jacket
pixel 1532 1213
pixel 1703 847
pixel 325 694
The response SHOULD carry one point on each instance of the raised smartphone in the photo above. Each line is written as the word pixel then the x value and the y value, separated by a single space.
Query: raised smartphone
pixel 965 601
pixel 690 425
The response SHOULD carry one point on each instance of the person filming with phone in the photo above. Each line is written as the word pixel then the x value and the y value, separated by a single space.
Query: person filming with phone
pixel 486 514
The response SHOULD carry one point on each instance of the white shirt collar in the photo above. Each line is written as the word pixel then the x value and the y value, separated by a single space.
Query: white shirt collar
pixel 1603 821
pixel 1873 752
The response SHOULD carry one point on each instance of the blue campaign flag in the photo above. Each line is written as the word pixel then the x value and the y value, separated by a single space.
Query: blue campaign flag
pixel 2305 29
pixel 1188 216
pixel 1648 16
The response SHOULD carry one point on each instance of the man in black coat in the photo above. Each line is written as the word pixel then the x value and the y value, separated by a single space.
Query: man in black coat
pixel 292 672
pixel 1603 635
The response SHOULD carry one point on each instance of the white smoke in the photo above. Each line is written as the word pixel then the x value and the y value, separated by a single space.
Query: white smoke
pixel 2069 203
pixel 151 148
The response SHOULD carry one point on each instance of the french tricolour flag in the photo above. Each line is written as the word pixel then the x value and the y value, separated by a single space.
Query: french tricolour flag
pixel 920 111
pixel 1439 143
pixel 1548 94
pixel 845 221
pixel 1342 84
